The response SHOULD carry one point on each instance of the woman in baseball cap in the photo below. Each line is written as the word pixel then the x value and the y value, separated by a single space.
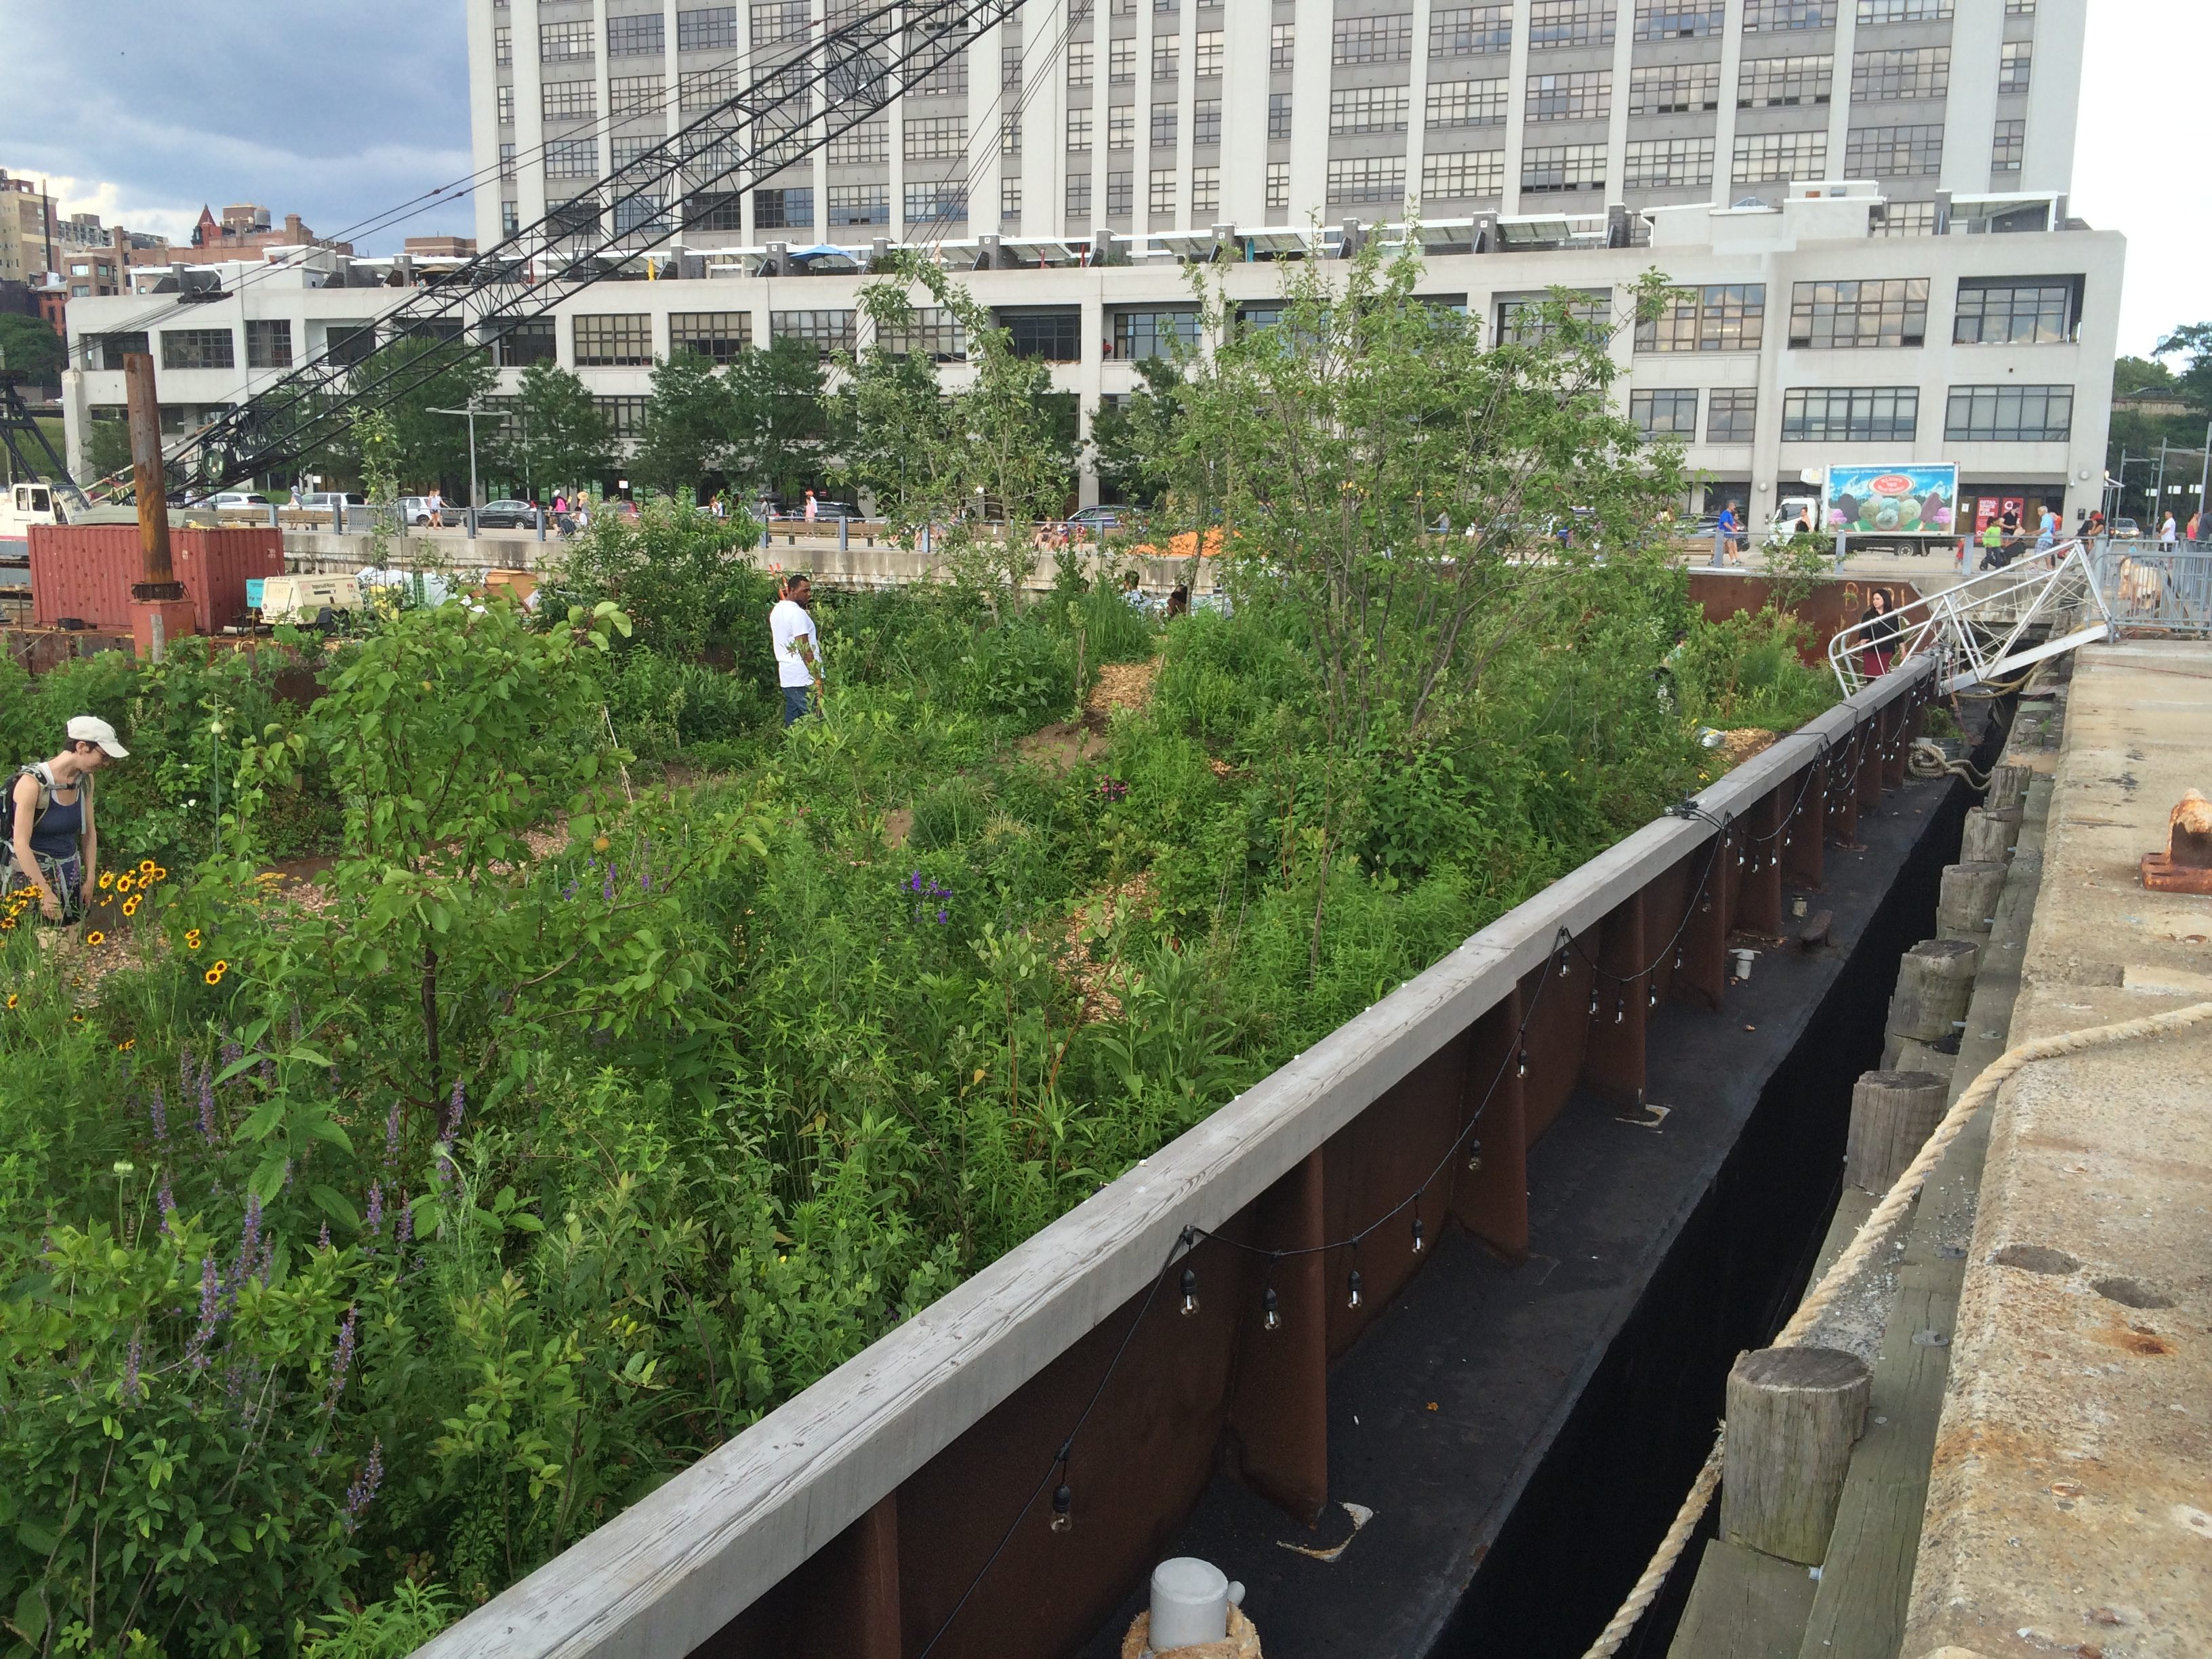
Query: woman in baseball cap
pixel 53 842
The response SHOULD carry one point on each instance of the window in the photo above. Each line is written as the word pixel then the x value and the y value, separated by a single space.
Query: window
pixel 1778 157
pixel 1078 64
pixel 636 95
pixel 1164 126
pixel 641 36
pixel 1533 319
pixel 1856 414
pixel 1167 57
pixel 1664 414
pixel 933 333
pixel 568 101
pixel 1731 415
pixel 2009 414
pixel 1669 163
pixel 2020 8
pixel 2008 148
pixel 2028 312
pixel 572 158
pixel 269 344
pixel 2015 62
pixel 945 202
pixel 620 341
pixel 564 43
pixel 941 77
pixel 1121 126
pixel 577 216
pixel 1279 185
pixel 1121 61
pixel 1141 334
pixel 717 336
pixel 623 416
pixel 783 209
pixel 1010 134
pixel 506 106
pixel 1278 115
pixel 1010 198
pixel 642 214
pixel 510 218
pixel 1904 11
pixel 1282 38
pixel 704 88
pixel 870 141
pixel 1674 89
pixel 1563 166
pixel 1462 31
pixel 1719 317
pixel 1777 15
pixel 721 210
pixel 1894 152
pixel 1204 190
pixel 1581 97
pixel 1367 178
pixel 1463 174
pixel 1078 129
pixel 347 342
pixel 1571 24
pixel 1678 20
pixel 825 331
pixel 1903 219
pixel 1880 77
pixel 1205 121
pixel 502 48
pixel 1078 193
pixel 1368 109
pixel 1779 82
pixel 1056 335
pixel 1206 64
pixel 1161 198
pixel 937 138
pixel 520 343
pixel 506 162
pixel 1846 316
pixel 1466 104
pixel 859 204
pixel 1010 69
pixel 1373 39
pixel 707 30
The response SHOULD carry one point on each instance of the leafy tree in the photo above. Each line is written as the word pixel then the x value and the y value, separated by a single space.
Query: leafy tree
pixel 429 375
pixel 690 422
pixel 558 436
pixel 2194 342
pixel 781 431
pixel 27 346
pixel 1131 437
pixel 2140 374
pixel 677 574
pixel 107 448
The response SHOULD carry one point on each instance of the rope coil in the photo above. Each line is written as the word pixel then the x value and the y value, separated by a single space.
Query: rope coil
pixel 1863 1244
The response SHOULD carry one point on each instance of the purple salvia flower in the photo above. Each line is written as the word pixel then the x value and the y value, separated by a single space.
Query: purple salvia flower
pixel 249 1235
pixel 341 1362
pixel 185 1070
pixel 454 1107
pixel 267 1069
pixel 607 887
pixel 168 1205
pixel 130 1358
pixel 404 1229
pixel 231 1053
pixel 362 1491
pixel 207 1105
pixel 210 1311
pixel 371 1220
pixel 391 1134
pixel 158 1109
pixel 645 879
pixel 323 1240
pixel 941 915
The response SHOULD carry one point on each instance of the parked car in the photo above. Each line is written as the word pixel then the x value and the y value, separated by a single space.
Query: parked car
pixel 507 515
pixel 416 510
pixel 2126 529
pixel 825 512
pixel 322 501
pixel 235 500
pixel 1096 520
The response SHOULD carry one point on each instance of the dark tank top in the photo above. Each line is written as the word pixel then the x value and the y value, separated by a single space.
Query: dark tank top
pixel 57 833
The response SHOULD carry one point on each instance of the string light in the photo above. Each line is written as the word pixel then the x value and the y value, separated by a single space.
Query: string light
pixel 1189 1292
pixel 1652 999
pixel 1473 1156
pixel 1523 1070
pixel 1272 1319
pixel 1418 1243
pixel 1593 1002
pixel 1063 1500
pixel 1619 1009
pixel 1352 1300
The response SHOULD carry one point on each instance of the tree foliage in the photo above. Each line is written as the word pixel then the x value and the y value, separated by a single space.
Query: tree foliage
pixel 557 438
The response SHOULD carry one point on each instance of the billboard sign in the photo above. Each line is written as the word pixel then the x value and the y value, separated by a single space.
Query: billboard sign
pixel 1918 499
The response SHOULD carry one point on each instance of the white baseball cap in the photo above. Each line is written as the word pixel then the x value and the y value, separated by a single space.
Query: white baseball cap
pixel 90 728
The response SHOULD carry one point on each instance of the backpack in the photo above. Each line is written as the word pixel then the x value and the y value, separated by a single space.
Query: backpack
pixel 46 800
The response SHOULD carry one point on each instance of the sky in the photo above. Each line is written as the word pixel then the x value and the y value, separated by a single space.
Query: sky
pixel 143 110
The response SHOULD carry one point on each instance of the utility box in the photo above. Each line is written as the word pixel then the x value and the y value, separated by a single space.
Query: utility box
pixel 86 571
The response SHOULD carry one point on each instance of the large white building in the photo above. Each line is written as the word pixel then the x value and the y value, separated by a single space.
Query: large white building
pixel 1872 236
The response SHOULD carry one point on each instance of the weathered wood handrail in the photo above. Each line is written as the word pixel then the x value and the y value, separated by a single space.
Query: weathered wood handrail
pixel 681 1563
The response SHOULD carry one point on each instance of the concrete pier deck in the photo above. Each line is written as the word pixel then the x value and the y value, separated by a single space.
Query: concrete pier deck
pixel 2069 1510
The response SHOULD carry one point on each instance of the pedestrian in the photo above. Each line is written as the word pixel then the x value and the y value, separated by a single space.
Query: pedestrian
pixel 296 496
pixel 1725 532
pixel 2166 534
pixel 433 506
pixel 797 649
pixel 1880 635
pixel 813 506
pixel 2046 530
pixel 560 502
pixel 1178 602
pixel 1132 595
pixel 1992 546
pixel 53 839
pixel 2195 520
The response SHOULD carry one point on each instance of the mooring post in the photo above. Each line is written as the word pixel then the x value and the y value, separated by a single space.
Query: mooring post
pixel 1490 1183
pixel 1892 1115
pixel 1793 1415
pixel 1966 901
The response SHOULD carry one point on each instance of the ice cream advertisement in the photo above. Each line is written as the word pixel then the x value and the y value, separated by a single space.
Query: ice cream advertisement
pixel 1916 500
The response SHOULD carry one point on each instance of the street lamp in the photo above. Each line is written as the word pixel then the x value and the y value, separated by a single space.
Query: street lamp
pixel 472 411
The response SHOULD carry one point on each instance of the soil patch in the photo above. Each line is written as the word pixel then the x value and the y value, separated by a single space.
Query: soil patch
pixel 1122 685
pixel 1741 743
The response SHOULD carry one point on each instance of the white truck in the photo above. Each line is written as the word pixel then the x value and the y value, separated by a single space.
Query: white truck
pixel 1906 506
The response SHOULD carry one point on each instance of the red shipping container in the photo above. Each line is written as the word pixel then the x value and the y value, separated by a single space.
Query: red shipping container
pixel 86 571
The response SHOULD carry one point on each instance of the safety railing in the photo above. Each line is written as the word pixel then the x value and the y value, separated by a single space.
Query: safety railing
pixel 2153 589
pixel 1986 629
pixel 899 1504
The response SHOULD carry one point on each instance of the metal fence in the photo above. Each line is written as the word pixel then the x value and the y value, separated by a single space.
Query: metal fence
pixel 2153 589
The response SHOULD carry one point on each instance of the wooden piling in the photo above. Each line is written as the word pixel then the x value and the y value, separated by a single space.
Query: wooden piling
pixel 1892 1115
pixel 1793 1415
pixel 1935 982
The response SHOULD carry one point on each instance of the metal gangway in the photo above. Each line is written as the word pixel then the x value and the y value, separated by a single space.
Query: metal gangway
pixel 2154 589
pixel 1990 629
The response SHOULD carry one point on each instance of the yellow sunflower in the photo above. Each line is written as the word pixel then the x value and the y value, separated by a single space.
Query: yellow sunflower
pixel 192 938
pixel 214 975
pixel 106 878
pixel 126 1045
pixel 13 998
pixel 161 873
pixel 123 883
pixel 130 905
pixel 147 866
pixel 95 937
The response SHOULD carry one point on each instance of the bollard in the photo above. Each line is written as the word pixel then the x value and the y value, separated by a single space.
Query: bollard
pixel 1793 1415
pixel 337 516
pixel 1968 899
pixel 472 524
pixel 274 523
pixel 2007 790
pixel 844 535
pixel 1935 983
pixel 538 513
pixel 1988 837
pixel 1892 1115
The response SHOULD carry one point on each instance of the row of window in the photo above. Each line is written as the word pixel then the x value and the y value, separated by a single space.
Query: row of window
pixel 1973 414
pixel 1167 58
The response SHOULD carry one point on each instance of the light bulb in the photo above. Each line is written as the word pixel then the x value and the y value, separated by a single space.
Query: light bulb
pixel 1523 1072
pixel 1352 1300
pixel 1619 1009
pixel 1473 1156
pixel 1652 1000
pixel 1418 1243
pixel 1189 1292
pixel 1272 1320
pixel 1592 1003
pixel 1678 962
pixel 1563 964
pixel 1063 1502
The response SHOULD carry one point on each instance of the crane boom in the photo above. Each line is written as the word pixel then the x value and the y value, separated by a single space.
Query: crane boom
pixel 784 113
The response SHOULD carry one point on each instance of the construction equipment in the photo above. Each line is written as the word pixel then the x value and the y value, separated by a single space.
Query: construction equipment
pixel 1990 630
pixel 784 111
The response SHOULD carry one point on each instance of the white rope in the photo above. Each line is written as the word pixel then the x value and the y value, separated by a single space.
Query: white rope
pixel 1863 1244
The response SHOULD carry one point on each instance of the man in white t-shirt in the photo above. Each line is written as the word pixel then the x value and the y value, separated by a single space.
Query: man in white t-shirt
pixel 798 650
